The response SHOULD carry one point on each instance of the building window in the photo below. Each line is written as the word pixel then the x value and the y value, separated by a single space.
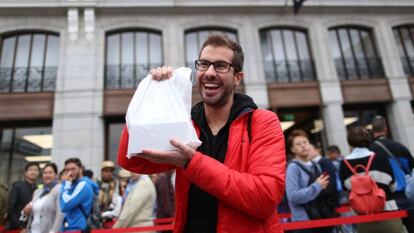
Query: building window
pixel 404 36
pixel 20 146
pixel 195 38
pixel 113 133
pixel 28 62
pixel 129 57
pixel 286 55
pixel 355 53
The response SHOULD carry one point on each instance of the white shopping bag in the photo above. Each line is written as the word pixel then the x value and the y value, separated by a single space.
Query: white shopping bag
pixel 160 111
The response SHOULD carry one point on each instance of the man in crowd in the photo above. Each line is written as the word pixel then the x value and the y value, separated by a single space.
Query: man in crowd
pixel 76 197
pixel 139 203
pixel 384 146
pixel 234 181
pixel 110 202
pixel 334 154
pixel 20 195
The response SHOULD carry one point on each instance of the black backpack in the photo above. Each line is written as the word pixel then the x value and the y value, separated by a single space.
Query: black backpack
pixel 320 207
pixel 94 218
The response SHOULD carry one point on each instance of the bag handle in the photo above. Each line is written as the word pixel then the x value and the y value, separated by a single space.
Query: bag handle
pixel 384 148
pixel 350 167
pixel 366 168
pixel 371 158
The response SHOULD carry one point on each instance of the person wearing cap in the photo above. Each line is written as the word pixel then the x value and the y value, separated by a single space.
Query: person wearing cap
pixel 110 201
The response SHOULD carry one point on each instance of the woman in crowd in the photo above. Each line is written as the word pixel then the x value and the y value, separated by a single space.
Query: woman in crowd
pixel 44 210
pixel 380 171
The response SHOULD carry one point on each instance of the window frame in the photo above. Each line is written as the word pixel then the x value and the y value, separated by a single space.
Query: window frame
pixel 343 59
pixel 267 31
pixel 398 29
pixel 134 32
pixel 16 35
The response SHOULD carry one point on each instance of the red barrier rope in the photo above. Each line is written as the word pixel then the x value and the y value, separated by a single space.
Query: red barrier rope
pixel 167 223
pixel 339 210
pixel 164 227
pixel 163 220
pixel 344 220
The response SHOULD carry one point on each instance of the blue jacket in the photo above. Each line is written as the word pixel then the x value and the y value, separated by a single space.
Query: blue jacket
pixel 76 201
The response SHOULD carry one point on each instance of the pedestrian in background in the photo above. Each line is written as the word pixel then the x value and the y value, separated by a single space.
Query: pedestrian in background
pixel 44 211
pixel 20 195
pixel 76 197
pixel 139 203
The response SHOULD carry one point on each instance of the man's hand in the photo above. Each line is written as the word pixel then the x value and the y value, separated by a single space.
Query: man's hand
pixel 161 73
pixel 179 158
pixel 27 210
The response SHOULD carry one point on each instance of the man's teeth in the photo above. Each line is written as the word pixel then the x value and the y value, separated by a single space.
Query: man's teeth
pixel 210 85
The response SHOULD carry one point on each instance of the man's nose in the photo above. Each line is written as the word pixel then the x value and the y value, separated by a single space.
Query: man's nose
pixel 210 70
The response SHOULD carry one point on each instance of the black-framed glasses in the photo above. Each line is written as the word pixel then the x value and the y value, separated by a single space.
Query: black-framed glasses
pixel 219 66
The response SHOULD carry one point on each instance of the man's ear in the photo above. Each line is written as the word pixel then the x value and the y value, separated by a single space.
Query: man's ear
pixel 292 150
pixel 238 77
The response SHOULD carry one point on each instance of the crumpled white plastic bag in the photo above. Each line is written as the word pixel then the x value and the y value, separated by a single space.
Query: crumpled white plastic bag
pixel 160 111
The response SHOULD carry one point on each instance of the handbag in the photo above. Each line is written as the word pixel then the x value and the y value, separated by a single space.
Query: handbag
pixel 405 180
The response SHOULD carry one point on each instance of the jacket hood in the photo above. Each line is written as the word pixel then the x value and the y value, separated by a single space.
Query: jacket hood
pixel 94 185
pixel 241 104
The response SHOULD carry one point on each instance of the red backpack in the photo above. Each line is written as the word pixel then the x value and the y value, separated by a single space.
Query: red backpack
pixel 365 196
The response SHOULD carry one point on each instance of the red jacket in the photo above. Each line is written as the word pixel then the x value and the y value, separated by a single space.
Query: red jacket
pixel 248 186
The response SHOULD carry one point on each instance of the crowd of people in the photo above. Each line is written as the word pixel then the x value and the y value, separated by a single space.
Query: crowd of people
pixel 233 182
pixel 72 200
pixel 312 178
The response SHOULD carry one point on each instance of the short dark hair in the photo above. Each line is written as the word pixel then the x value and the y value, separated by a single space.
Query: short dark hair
pixel 88 173
pixel 378 124
pixel 75 161
pixel 333 148
pixel 53 166
pixel 295 133
pixel 359 137
pixel 222 40
pixel 31 164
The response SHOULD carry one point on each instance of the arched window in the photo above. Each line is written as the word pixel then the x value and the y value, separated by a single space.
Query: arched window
pixel 129 56
pixel 195 38
pixel 286 55
pixel 404 36
pixel 28 61
pixel 355 54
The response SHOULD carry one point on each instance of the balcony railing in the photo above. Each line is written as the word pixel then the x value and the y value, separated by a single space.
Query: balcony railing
pixel 289 71
pixel 355 69
pixel 126 76
pixel 32 79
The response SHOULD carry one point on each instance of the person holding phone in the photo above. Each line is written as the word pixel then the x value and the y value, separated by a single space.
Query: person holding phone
pixel 304 180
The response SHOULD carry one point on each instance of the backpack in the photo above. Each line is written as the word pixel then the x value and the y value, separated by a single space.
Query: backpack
pixel 365 196
pixel 94 218
pixel 320 207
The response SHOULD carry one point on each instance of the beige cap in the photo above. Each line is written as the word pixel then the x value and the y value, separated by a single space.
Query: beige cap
pixel 124 173
pixel 108 164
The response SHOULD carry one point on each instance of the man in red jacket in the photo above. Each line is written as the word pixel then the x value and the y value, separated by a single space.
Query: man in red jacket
pixel 234 181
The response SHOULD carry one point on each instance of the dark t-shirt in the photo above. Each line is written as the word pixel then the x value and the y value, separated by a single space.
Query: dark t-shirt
pixel 202 212
pixel 20 194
